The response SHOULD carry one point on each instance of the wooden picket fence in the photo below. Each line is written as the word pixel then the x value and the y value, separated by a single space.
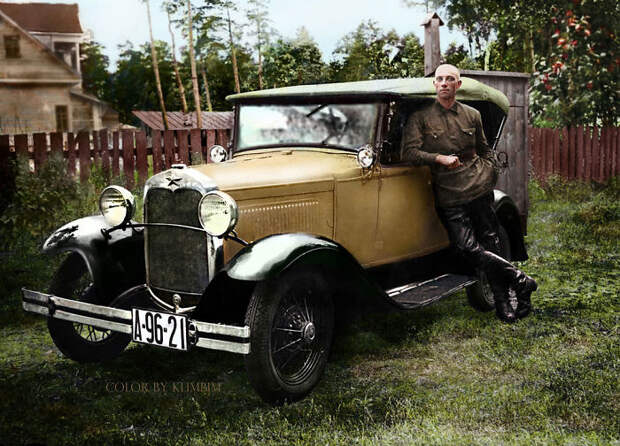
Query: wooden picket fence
pixel 577 153
pixel 126 149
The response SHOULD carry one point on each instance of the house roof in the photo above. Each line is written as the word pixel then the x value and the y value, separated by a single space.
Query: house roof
pixel 45 17
pixel 182 121
pixel 420 87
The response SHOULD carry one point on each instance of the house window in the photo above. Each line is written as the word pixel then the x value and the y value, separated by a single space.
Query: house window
pixel 11 47
pixel 62 118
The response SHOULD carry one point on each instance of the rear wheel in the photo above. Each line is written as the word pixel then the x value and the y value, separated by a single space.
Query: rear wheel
pixel 480 295
pixel 81 342
pixel 291 322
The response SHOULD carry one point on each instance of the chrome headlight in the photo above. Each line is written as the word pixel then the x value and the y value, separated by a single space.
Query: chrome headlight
pixel 117 205
pixel 218 213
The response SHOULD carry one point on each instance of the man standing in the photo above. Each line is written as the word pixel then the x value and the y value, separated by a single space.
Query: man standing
pixel 448 136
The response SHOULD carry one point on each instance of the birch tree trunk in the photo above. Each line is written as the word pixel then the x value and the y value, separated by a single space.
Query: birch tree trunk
pixel 192 60
pixel 206 84
pixel 175 65
pixel 233 54
pixel 156 67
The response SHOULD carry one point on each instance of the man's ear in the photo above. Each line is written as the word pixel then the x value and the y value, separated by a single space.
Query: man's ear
pixel 459 83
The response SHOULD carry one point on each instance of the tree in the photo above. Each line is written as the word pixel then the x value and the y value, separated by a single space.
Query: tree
pixel 289 62
pixel 132 86
pixel 156 68
pixel 370 53
pixel 192 61
pixel 257 15
pixel 175 64
pixel 94 66
pixel 576 82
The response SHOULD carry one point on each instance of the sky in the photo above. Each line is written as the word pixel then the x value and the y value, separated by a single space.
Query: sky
pixel 114 22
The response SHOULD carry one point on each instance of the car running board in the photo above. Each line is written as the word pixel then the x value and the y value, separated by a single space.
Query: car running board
pixel 419 294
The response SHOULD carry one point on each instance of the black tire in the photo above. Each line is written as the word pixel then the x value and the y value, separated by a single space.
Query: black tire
pixel 480 295
pixel 80 342
pixel 291 322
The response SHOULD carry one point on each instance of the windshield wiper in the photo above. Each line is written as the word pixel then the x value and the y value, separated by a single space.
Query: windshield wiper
pixel 320 107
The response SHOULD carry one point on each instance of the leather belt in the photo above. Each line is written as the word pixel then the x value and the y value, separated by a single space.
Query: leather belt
pixel 466 155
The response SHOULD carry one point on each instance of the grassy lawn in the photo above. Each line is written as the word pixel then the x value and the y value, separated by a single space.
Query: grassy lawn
pixel 445 374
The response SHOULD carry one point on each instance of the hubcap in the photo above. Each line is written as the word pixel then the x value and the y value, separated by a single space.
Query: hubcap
pixel 309 332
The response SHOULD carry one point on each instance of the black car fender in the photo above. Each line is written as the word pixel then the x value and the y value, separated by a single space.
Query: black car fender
pixel 114 260
pixel 273 255
pixel 508 216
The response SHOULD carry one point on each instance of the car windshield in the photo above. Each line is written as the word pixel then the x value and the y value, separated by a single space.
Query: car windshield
pixel 346 126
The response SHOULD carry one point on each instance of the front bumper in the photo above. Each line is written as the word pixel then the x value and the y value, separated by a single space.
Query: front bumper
pixel 201 334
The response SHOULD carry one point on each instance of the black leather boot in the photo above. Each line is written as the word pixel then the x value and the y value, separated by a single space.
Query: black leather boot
pixel 503 308
pixel 524 287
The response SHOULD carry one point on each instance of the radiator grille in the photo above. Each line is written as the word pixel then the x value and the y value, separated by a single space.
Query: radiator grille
pixel 177 257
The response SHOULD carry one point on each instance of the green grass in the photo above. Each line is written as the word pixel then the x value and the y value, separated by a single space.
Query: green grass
pixel 442 375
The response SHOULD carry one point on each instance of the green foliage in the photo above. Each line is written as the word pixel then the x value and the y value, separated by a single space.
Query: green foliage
pixel 370 53
pixel 576 82
pixel 38 199
pixel 94 66
pixel 290 62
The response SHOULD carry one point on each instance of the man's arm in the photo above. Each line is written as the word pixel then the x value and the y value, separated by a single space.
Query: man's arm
pixel 482 147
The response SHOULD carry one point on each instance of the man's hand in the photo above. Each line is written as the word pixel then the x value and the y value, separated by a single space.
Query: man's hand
pixel 449 161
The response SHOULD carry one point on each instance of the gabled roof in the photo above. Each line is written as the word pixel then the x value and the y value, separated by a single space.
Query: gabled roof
pixel 45 17
pixel 419 87
pixel 182 121
pixel 38 43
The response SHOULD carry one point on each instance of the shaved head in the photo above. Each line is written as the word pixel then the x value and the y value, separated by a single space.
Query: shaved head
pixel 447 69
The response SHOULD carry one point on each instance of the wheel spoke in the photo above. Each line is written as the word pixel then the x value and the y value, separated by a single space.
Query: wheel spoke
pixel 290 330
pixel 290 344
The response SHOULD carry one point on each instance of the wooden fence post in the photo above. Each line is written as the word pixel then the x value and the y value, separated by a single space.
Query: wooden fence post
pixel 116 168
pixel 571 153
pixel 157 155
pixel 182 136
pixel 196 146
pixel 579 157
pixel 564 154
pixel 56 143
pixel 21 145
pixel 602 155
pixel 40 150
pixel 128 163
pixel 96 148
pixel 169 148
pixel 556 151
pixel 210 143
pixel 587 159
pixel 84 152
pixel 596 156
pixel 105 152
pixel 71 142
pixel 141 158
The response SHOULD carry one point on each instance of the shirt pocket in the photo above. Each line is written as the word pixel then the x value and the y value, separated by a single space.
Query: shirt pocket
pixel 432 138
pixel 468 135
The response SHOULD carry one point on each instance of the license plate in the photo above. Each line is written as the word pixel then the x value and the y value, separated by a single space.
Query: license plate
pixel 163 329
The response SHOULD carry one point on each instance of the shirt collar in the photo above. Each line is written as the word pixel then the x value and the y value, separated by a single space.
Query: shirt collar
pixel 454 108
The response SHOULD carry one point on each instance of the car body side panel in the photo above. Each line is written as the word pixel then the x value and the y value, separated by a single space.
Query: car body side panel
pixel 408 224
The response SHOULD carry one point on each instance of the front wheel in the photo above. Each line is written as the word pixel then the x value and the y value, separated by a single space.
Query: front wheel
pixel 81 342
pixel 291 320
pixel 480 295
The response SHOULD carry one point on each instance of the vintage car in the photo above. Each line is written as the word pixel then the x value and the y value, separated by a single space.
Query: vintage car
pixel 308 216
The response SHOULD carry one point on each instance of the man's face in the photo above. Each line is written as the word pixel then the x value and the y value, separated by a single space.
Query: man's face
pixel 447 81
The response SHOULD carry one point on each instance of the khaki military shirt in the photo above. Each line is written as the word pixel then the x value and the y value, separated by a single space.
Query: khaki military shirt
pixel 433 130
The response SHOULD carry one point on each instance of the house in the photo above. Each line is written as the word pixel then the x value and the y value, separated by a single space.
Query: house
pixel 40 80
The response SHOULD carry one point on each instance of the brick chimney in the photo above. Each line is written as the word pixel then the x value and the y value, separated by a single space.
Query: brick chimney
pixel 432 50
